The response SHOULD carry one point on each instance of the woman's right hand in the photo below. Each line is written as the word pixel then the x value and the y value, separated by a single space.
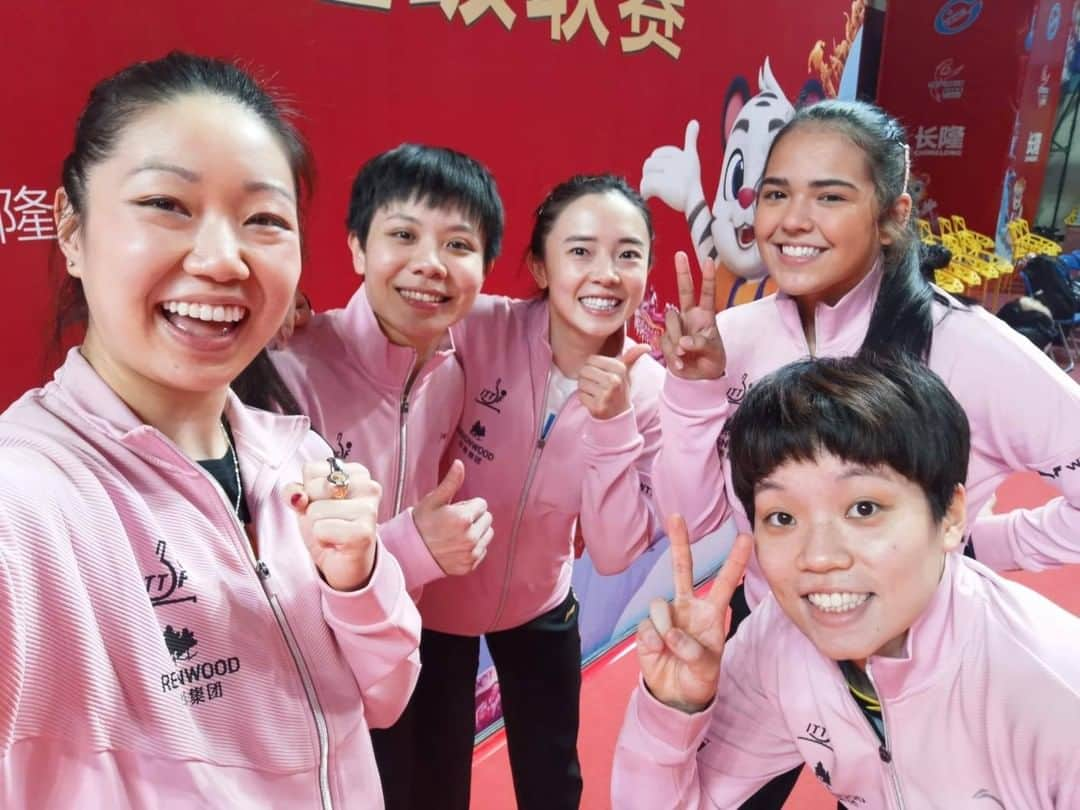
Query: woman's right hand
pixel 680 645
pixel 691 342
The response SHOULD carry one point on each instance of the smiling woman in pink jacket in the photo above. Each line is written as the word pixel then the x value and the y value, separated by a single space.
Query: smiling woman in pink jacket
pixel 558 430
pixel 195 607
pixel 903 675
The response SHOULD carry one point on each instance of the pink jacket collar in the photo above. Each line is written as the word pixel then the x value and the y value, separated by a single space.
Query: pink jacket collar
pixel 838 325
pixel 380 360
pixel 935 642
pixel 263 439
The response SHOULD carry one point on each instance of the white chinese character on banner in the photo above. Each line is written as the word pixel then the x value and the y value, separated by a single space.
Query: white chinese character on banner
pixel 926 139
pixel 472 10
pixel 27 215
pixel 663 12
pixel 1034 146
pixel 951 139
pixel 556 10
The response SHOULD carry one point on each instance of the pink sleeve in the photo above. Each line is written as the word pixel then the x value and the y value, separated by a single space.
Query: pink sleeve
pixel 11 649
pixel 378 628
pixel 617 518
pixel 1025 416
pixel 688 476
pixel 716 758
pixel 402 539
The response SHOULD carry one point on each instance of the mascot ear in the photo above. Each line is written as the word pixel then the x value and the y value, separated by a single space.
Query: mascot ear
pixel 812 92
pixel 738 93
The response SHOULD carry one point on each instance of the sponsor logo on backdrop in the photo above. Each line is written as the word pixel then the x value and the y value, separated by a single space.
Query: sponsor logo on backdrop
pixel 956 16
pixel 1034 146
pixel 945 86
pixel 939 141
pixel 1043 91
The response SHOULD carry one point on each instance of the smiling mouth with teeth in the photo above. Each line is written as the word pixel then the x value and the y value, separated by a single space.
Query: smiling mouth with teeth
pixel 423 297
pixel 836 602
pixel 801 251
pixel 205 312
pixel 600 304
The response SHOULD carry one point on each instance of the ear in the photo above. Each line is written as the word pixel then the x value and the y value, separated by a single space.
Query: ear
pixel 67 231
pixel 954 521
pixel 539 272
pixel 738 93
pixel 357 251
pixel 896 220
pixel 488 268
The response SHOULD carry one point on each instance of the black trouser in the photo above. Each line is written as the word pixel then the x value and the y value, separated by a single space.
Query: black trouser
pixel 425 760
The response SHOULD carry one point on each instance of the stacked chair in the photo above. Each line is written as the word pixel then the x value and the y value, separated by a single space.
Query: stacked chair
pixel 1025 243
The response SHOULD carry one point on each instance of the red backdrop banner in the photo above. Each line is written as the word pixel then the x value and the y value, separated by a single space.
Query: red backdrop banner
pixel 536 89
pixel 967 79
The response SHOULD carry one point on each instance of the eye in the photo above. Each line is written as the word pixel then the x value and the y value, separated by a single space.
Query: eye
pixel 779 519
pixel 579 251
pixel 162 204
pixel 831 197
pixel 269 220
pixel 734 174
pixel 863 509
pixel 631 255
pixel 771 194
pixel 461 245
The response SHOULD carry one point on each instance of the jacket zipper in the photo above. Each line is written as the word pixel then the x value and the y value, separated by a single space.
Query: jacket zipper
pixel 533 462
pixel 262 571
pixel 403 440
pixel 885 749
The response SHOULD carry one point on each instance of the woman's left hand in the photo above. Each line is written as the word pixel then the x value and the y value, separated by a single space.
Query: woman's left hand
pixel 604 382
pixel 339 531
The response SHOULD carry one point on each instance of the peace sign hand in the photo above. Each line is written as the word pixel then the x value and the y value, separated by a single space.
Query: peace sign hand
pixel 691 342
pixel 681 643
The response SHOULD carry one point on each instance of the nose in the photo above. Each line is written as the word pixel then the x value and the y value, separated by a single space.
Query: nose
pixel 746 196
pixel 216 253
pixel 427 261
pixel 824 548
pixel 796 216
pixel 603 271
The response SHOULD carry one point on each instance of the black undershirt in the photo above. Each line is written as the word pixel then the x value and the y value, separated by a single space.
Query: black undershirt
pixel 224 472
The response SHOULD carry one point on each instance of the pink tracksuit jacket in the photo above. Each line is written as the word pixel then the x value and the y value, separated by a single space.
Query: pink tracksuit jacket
pixel 357 387
pixel 147 658
pixel 1024 414
pixel 588 470
pixel 982 712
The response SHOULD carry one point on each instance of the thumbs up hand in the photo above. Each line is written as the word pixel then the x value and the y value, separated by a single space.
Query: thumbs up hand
pixel 456 534
pixel 604 382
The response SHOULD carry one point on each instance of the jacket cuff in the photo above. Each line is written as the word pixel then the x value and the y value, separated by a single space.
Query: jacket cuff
pixel 990 538
pixel 375 603
pixel 617 434
pixel 695 397
pixel 680 733
pixel 403 540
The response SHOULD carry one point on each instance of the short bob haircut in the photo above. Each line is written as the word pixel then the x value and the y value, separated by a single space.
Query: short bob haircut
pixel 434 176
pixel 867 410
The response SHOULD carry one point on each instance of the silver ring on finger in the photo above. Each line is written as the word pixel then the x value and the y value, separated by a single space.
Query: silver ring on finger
pixel 338 479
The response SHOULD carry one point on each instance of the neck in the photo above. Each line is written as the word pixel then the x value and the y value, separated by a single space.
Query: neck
pixel 570 349
pixel 192 420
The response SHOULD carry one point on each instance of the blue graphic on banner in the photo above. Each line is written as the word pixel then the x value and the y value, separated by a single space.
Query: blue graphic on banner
pixel 956 16
pixel 1053 25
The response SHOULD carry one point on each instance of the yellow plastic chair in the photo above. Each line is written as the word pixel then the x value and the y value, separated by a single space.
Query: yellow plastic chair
pixel 926 233
pixel 984 243
pixel 1073 217
pixel 1025 242
pixel 948 282
pixel 959 269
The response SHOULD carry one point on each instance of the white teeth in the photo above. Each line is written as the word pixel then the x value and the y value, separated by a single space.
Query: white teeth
pixel 595 302
pixel 837 602
pixel 427 298
pixel 801 251
pixel 205 312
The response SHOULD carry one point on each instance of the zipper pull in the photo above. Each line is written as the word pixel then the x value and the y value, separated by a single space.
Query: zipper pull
pixel 262 569
pixel 883 752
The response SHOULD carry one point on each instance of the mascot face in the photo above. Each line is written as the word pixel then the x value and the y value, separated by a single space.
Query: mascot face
pixel 750 130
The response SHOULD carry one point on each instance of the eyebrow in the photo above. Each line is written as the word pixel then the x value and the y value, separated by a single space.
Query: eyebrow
pixel 853 471
pixel 625 240
pixel 252 186
pixel 464 225
pixel 828 182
